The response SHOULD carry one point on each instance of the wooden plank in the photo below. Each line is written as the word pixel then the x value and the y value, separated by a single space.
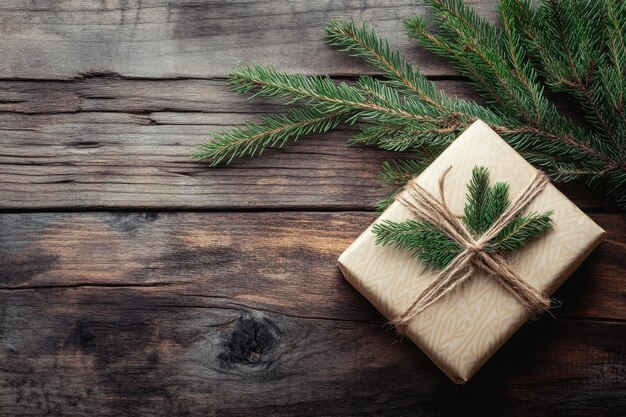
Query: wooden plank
pixel 176 38
pixel 109 93
pixel 128 352
pixel 240 314
pixel 108 142
pixel 264 258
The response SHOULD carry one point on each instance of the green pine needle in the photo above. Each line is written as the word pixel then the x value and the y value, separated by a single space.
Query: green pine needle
pixel 498 202
pixel 574 47
pixel 484 205
pixel 521 231
pixel 478 193
pixel 425 242
pixel 251 139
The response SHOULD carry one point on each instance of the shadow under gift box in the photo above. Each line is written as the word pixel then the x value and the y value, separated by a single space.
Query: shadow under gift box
pixel 463 329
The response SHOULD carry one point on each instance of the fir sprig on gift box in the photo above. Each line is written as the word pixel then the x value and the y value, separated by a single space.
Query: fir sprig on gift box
pixel 485 204
pixel 569 46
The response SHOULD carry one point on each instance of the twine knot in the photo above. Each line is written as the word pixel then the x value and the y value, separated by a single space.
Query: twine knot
pixel 473 255
pixel 475 246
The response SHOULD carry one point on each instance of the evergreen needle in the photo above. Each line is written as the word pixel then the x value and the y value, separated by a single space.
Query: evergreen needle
pixel 575 47
pixel 485 204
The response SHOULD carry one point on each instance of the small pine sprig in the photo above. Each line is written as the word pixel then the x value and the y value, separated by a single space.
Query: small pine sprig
pixel 484 205
pixel 521 231
pixel 425 242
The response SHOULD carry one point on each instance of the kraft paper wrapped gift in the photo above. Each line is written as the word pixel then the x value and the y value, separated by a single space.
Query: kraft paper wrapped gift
pixel 464 328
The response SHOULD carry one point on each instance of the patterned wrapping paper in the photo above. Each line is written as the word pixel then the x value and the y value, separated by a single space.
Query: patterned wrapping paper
pixel 461 331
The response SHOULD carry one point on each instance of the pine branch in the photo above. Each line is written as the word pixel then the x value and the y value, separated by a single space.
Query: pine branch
pixel 585 56
pixel 577 47
pixel 274 131
pixel 485 203
pixel 425 242
pixel 364 43
pixel 414 137
pixel 497 64
pixel 478 191
pixel 320 91
pixel 576 55
pixel 498 202
pixel 373 134
pixel 497 69
pixel 523 17
pixel 521 231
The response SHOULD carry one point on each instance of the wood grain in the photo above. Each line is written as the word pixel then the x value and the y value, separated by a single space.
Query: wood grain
pixel 111 142
pixel 202 39
pixel 236 307
pixel 185 314
pixel 132 352
pixel 242 257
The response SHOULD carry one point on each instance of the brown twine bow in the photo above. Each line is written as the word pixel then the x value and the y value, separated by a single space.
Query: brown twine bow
pixel 473 256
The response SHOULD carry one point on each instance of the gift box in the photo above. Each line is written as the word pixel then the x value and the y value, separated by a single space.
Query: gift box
pixel 465 327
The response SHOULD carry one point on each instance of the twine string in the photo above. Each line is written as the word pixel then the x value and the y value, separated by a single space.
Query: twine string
pixel 473 256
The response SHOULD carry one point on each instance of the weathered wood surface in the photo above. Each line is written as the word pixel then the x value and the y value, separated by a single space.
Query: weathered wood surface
pixel 236 308
pixel 109 142
pixel 181 38
pixel 261 257
pixel 186 314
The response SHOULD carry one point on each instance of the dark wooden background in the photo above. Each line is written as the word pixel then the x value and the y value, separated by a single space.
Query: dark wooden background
pixel 134 281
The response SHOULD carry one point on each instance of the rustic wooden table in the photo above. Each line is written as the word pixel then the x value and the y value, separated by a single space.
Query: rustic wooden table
pixel 135 281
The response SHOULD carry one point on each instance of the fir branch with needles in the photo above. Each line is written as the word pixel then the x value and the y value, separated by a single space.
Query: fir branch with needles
pixel 425 242
pixel 485 203
pixel 572 47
